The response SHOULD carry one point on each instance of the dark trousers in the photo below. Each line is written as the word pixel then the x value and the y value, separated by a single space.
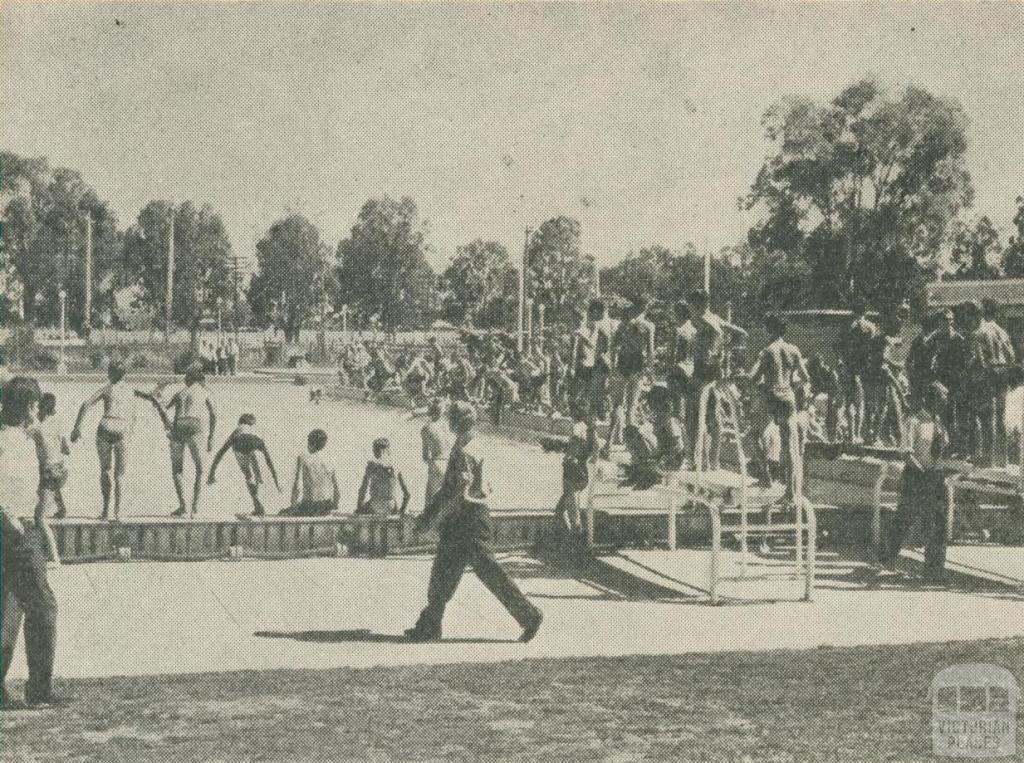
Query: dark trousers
pixel 988 429
pixel 465 539
pixel 29 601
pixel 922 498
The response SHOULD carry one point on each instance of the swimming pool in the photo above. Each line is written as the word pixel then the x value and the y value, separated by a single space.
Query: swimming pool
pixel 522 475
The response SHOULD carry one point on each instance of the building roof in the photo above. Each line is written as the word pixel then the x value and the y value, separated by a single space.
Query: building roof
pixel 1005 291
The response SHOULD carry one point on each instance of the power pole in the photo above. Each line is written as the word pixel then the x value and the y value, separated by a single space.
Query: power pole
pixel 521 318
pixel 88 273
pixel 236 311
pixel 170 280
pixel 707 265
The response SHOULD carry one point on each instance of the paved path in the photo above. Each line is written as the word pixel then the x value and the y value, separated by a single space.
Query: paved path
pixel 154 618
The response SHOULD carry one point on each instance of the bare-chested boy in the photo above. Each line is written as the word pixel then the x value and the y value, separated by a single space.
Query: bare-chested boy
pixel 436 447
pixel 378 493
pixel 315 491
pixel 781 371
pixel 190 405
pixel 710 347
pixel 118 398
pixel 246 443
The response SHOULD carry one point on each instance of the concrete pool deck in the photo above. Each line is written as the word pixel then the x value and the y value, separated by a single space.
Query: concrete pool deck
pixel 148 618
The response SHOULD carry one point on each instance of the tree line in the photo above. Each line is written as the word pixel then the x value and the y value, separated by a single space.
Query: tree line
pixel 867 195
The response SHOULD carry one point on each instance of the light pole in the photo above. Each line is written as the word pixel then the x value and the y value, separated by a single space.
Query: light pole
pixel 521 317
pixel 62 365
pixel 220 318
pixel 170 278
pixel 88 274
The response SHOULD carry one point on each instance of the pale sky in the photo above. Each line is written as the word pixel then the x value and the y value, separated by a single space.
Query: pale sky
pixel 492 117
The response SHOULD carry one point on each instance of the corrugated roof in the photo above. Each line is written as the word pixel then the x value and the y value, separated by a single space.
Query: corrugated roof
pixel 1005 291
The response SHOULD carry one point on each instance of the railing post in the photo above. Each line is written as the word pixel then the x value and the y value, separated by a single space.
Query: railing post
pixel 590 504
pixel 716 549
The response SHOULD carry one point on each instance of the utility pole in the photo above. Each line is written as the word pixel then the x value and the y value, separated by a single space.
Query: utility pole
pixel 170 280
pixel 707 266
pixel 237 295
pixel 521 318
pixel 88 273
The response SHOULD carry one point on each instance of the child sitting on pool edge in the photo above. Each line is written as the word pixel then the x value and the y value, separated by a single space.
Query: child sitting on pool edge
pixel 381 482
pixel 315 491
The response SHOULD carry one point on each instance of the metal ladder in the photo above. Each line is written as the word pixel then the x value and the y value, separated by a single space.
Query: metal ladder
pixel 717 491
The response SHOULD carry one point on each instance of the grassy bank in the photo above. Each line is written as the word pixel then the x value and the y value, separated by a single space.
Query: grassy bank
pixel 866 703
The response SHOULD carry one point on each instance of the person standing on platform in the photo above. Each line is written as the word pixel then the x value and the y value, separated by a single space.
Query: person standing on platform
pixel 710 345
pixel 118 399
pixel 186 433
pixel 825 380
pixel 680 371
pixel 27 599
pixel 886 387
pixel 855 350
pixel 949 364
pixel 592 367
pixel 781 371
pixel 920 365
pixel 922 493
pixel 575 476
pixel 993 353
pixel 558 374
pixel 460 507
pixel 633 355
pixel 436 447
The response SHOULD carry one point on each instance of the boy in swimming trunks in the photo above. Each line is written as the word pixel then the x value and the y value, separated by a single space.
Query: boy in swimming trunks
pixel 575 474
pixel 51 448
pixel 381 482
pixel 436 447
pixel 315 491
pixel 118 399
pixel 781 371
pixel 186 432
pixel 246 444
pixel 668 430
pixel 416 380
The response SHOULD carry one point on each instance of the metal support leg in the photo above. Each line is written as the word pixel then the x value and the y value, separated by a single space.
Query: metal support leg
pixel 716 550
pixel 671 519
pixel 812 547
pixel 800 525
pixel 590 504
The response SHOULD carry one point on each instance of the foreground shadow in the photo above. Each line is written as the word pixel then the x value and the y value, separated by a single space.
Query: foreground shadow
pixel 365 635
